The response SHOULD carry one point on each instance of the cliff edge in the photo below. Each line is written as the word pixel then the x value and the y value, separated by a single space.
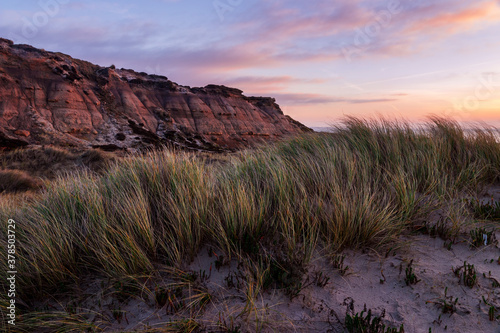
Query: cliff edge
pixel 49 98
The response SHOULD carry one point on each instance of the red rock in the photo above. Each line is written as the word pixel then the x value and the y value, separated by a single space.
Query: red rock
pixel 53 98
pixel 22 133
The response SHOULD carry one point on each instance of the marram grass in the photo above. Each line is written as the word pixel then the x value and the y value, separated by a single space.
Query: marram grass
pixel 357 187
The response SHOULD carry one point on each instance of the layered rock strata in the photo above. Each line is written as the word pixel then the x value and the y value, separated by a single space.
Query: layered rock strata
pixel 50 98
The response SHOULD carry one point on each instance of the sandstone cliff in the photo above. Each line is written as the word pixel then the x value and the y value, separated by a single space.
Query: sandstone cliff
pixel 51 98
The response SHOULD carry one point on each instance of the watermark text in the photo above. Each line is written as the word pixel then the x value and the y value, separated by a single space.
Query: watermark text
pixel 11 272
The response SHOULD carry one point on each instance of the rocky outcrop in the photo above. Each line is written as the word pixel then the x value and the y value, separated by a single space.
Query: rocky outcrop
pixel 51 98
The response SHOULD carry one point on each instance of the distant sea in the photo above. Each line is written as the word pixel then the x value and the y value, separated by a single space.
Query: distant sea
pixel 322 129
pixel 467 130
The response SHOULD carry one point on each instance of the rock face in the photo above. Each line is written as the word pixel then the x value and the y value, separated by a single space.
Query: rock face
pixel 51 98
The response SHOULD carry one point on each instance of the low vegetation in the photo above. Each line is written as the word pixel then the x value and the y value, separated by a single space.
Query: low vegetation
pixel 485 210
pixel 13 181
pixel 366 322
pixel 466 274
pixel 410 277
pixel 49 162
pixel 267 208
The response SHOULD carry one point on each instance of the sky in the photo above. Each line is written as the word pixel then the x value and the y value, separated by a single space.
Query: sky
pixel 322 60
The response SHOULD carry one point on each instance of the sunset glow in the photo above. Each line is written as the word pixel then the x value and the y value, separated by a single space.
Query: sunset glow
pixel 320 59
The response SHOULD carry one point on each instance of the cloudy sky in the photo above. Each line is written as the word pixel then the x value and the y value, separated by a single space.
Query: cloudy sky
pixel 320 59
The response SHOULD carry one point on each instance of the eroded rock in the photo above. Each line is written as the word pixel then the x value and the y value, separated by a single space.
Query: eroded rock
pixel 51 98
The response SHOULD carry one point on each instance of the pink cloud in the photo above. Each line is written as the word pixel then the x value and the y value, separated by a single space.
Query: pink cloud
pixel 462 19
pixel 262 84
pixel 420 27
pixel 317 99
pixel 271 35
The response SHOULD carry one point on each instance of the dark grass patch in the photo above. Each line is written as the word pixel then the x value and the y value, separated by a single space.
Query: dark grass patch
pixel 489 210
pixel 13 181
pixel 48 162
pixel 366 321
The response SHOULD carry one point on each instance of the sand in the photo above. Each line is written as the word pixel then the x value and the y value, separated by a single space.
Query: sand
pixel 372 279
pixel 376 280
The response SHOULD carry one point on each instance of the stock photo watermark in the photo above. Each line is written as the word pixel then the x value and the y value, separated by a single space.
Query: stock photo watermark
pixel 156 70
pixel 31 25
pixel 486 89
pixel 223 6
pixel 11 273
pixel 366 35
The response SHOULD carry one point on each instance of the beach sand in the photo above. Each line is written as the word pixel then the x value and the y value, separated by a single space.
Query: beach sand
pixel 376 280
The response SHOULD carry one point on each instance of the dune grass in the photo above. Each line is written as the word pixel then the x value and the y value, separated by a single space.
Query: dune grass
pixel 272 207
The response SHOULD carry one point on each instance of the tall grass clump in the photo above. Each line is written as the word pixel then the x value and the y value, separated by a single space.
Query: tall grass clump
pixel 142 211
pixel 272 206
pixel 178 189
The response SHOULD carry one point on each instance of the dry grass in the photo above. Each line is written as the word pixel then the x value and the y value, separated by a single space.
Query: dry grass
pixel 49 162
pixel 12 181
pixel 271 207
